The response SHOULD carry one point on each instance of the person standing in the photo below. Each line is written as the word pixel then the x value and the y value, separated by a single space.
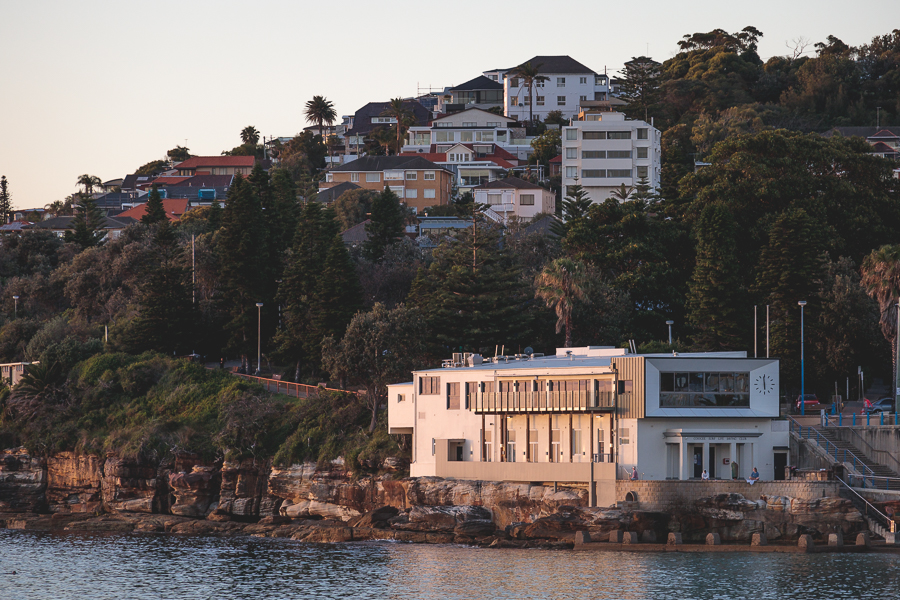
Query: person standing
pixel 734 469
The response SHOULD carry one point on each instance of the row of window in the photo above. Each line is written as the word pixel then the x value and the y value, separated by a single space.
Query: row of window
pixel 376 177
pixel 572 153
pixel 540 100
pixel 560 82
pixel 524 199
pixel 572 172
pixel 414 193
pixel 446 125
pixel 465 136
pixel 572 134
pixel 704 390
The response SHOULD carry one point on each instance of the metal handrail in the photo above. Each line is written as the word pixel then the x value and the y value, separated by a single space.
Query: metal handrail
pixel 868 446
pixel 874 482
pixel 839 454
pixel 300 390
pixel 868 505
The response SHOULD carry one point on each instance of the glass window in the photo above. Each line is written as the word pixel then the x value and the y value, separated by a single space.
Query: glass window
pixel 592 173
pixel 618 173
pixel 443 136
pixel 593 135
pixel 429 176
pixel 373 177
pixel 484 136
pixel 560 82
pixel 642 171
pixel 582 80
pixel 582 98
pixel 704 390
pixel 411 175
pixel 494 199
pixel 642 134
pixel 428 194
pixel 571 134
pixel 514 101
pixel 526 199
pixel 540 100
pixel 726 382
pixel 571 152
pixel 571 172
pixel 667 382
pixel 354 177
pixel 560 100
pixel 695 382
pixel 642 152
pixel 618 154
pixel 466 136
pixel 411 193
pixel 681 382
pixel 429 386
pixel 514 82
pixel 593 154
pixel 742 383
pixel 619 135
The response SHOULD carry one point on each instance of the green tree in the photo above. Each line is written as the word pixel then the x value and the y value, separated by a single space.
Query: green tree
pixel 154 167
pixel 574 206
pixel 249 135
pixel 166 319
pixel 87 228
pixel 88 182
pixel 404 118
pixel 155 211
pixel 178 154
pixel 555 117
pixel 380 347
pixel 386 224
pixel 546 146
pixel 320 111
pixel 5 200
pixel 790 270
pixel 353 207
pixel 562 285
pixel 881 280
pixel 640 87
pixel 530 75
pixel 716 298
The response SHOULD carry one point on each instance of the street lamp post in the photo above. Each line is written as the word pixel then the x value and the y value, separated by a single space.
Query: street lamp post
pixel 670 323
pixel 802 303
pixel 897 362
pixel 258 336
pixel 16 309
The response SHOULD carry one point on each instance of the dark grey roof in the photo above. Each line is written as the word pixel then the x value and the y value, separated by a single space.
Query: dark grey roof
pixel 509 182
pixel 333 193
pixel 558 64
pixel 860 131
pixel 356 234
pixel 479 83
pixel 116 199
pixel 541 227
pixel 362 119
pixel 131 181
pixel 205 181
pixel 382 163
pixel 66 223
pixel 191 193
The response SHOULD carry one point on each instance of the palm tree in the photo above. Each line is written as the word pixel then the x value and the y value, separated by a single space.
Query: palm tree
pixel 621 193
pixel 56 207
pixel 404 116
pixel 881 277
pixel 320 111
pixel 88 181
pixel 530 75
pixel 382 136
pixel 562 284
pixel 249 135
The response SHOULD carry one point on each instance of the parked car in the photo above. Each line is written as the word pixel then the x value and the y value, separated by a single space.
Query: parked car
pixel 885 405
pixel 809 402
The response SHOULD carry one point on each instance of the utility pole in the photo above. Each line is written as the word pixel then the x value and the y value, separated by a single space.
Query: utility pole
pixel 767 331
pixel 755 330
pixel 193 274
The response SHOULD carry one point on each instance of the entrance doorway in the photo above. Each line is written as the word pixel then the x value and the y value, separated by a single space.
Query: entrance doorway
pixel 780 464
pixel 712 462
pixel 698 461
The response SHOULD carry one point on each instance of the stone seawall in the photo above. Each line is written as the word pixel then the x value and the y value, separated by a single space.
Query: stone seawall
pixel 675 495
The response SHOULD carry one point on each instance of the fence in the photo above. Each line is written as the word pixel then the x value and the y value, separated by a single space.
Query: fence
pixel 840 455
pixel 297 390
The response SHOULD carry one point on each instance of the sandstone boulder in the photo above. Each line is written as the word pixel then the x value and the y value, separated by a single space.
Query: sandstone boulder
pixel 74 483
pixel 196 492
pixel 23 482
pixel 131 486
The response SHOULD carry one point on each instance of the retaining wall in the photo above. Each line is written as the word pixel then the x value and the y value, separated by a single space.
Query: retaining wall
pixel 668 495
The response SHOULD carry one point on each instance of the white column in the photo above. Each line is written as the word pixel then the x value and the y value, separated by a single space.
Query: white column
pixel 706 456
pixel 685 462
pixel 752 459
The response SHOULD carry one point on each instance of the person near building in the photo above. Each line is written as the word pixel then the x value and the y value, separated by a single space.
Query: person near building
pixel 704 476
pixel 734 469
pixel 755 474
pixel 634 474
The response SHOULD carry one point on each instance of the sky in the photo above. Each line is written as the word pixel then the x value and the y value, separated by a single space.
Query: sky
pixel 104 86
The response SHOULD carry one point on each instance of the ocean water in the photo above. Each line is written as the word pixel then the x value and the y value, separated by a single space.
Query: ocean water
pixel 62 566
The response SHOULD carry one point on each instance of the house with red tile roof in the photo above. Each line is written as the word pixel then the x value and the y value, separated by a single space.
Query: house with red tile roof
pixel 216 165
pixel 473 164
pixel 174 207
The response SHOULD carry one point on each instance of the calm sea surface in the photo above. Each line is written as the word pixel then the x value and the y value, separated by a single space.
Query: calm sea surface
pixel 138 567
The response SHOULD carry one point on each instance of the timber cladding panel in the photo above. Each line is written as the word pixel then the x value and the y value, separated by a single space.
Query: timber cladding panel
pixel 631 369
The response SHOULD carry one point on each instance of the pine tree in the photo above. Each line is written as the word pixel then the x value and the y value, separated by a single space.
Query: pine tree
pixel 574 206
pixel 87 225
pixel 5 200
pixel 790 270
pixel 214 216
pixel 155 211
pixel 167 317
pixel 243 254
pixel 337 295
pixel 386 226
pixel 716 298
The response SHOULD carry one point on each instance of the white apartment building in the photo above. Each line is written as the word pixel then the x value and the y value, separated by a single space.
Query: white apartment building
pixel 515 197
pixel 605 150
pixel 473 125
pixel 590 414
pixel 569 84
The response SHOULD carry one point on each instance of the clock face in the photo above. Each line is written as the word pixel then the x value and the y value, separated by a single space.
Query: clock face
pixel 764 384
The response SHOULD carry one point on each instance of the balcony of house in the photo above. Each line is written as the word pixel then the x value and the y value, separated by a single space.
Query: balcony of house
pixel 543 402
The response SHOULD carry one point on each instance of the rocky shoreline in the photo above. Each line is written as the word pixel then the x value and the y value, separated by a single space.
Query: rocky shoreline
pixel 71 492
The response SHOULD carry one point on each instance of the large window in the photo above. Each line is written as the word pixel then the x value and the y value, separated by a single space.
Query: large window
pixel 428 194
pixel 494 199
pixel 560 100
pixel 540 100
pixel 429 386
pixel 571 134
pixel 642 134
pixel 618 172
pixel 526 199
pixel 443 136
pixel 373 177
pixel 704 390
pixel 572 153
pixel 513 82
pixel 560 82
pixel 618 154
pixel 484 136
pixel 466 136
pixel 592 173
pixel 593 154
pixel 619 135
pixel 453 396
pixel 642 171
pixel 571 172
pixel 642 152
pixel 593 135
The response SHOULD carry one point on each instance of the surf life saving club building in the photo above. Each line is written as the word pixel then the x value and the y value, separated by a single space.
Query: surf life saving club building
pixel 590 414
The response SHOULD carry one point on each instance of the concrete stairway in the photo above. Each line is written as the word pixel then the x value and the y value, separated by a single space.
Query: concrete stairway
pixel 878 470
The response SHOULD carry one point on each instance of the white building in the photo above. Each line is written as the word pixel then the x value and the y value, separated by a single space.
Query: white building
pixel 604 150
pixel 512 196
pixel 569 84
pixel 591 414
pixel 470 126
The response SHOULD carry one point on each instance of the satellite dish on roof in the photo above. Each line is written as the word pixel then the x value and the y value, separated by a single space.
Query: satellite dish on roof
pixel 529 350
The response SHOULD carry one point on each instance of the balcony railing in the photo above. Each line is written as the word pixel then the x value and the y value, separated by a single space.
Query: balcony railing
pixel 540 402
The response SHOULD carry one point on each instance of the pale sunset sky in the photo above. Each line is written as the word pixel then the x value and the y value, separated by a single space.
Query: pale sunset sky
pixel 102 86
